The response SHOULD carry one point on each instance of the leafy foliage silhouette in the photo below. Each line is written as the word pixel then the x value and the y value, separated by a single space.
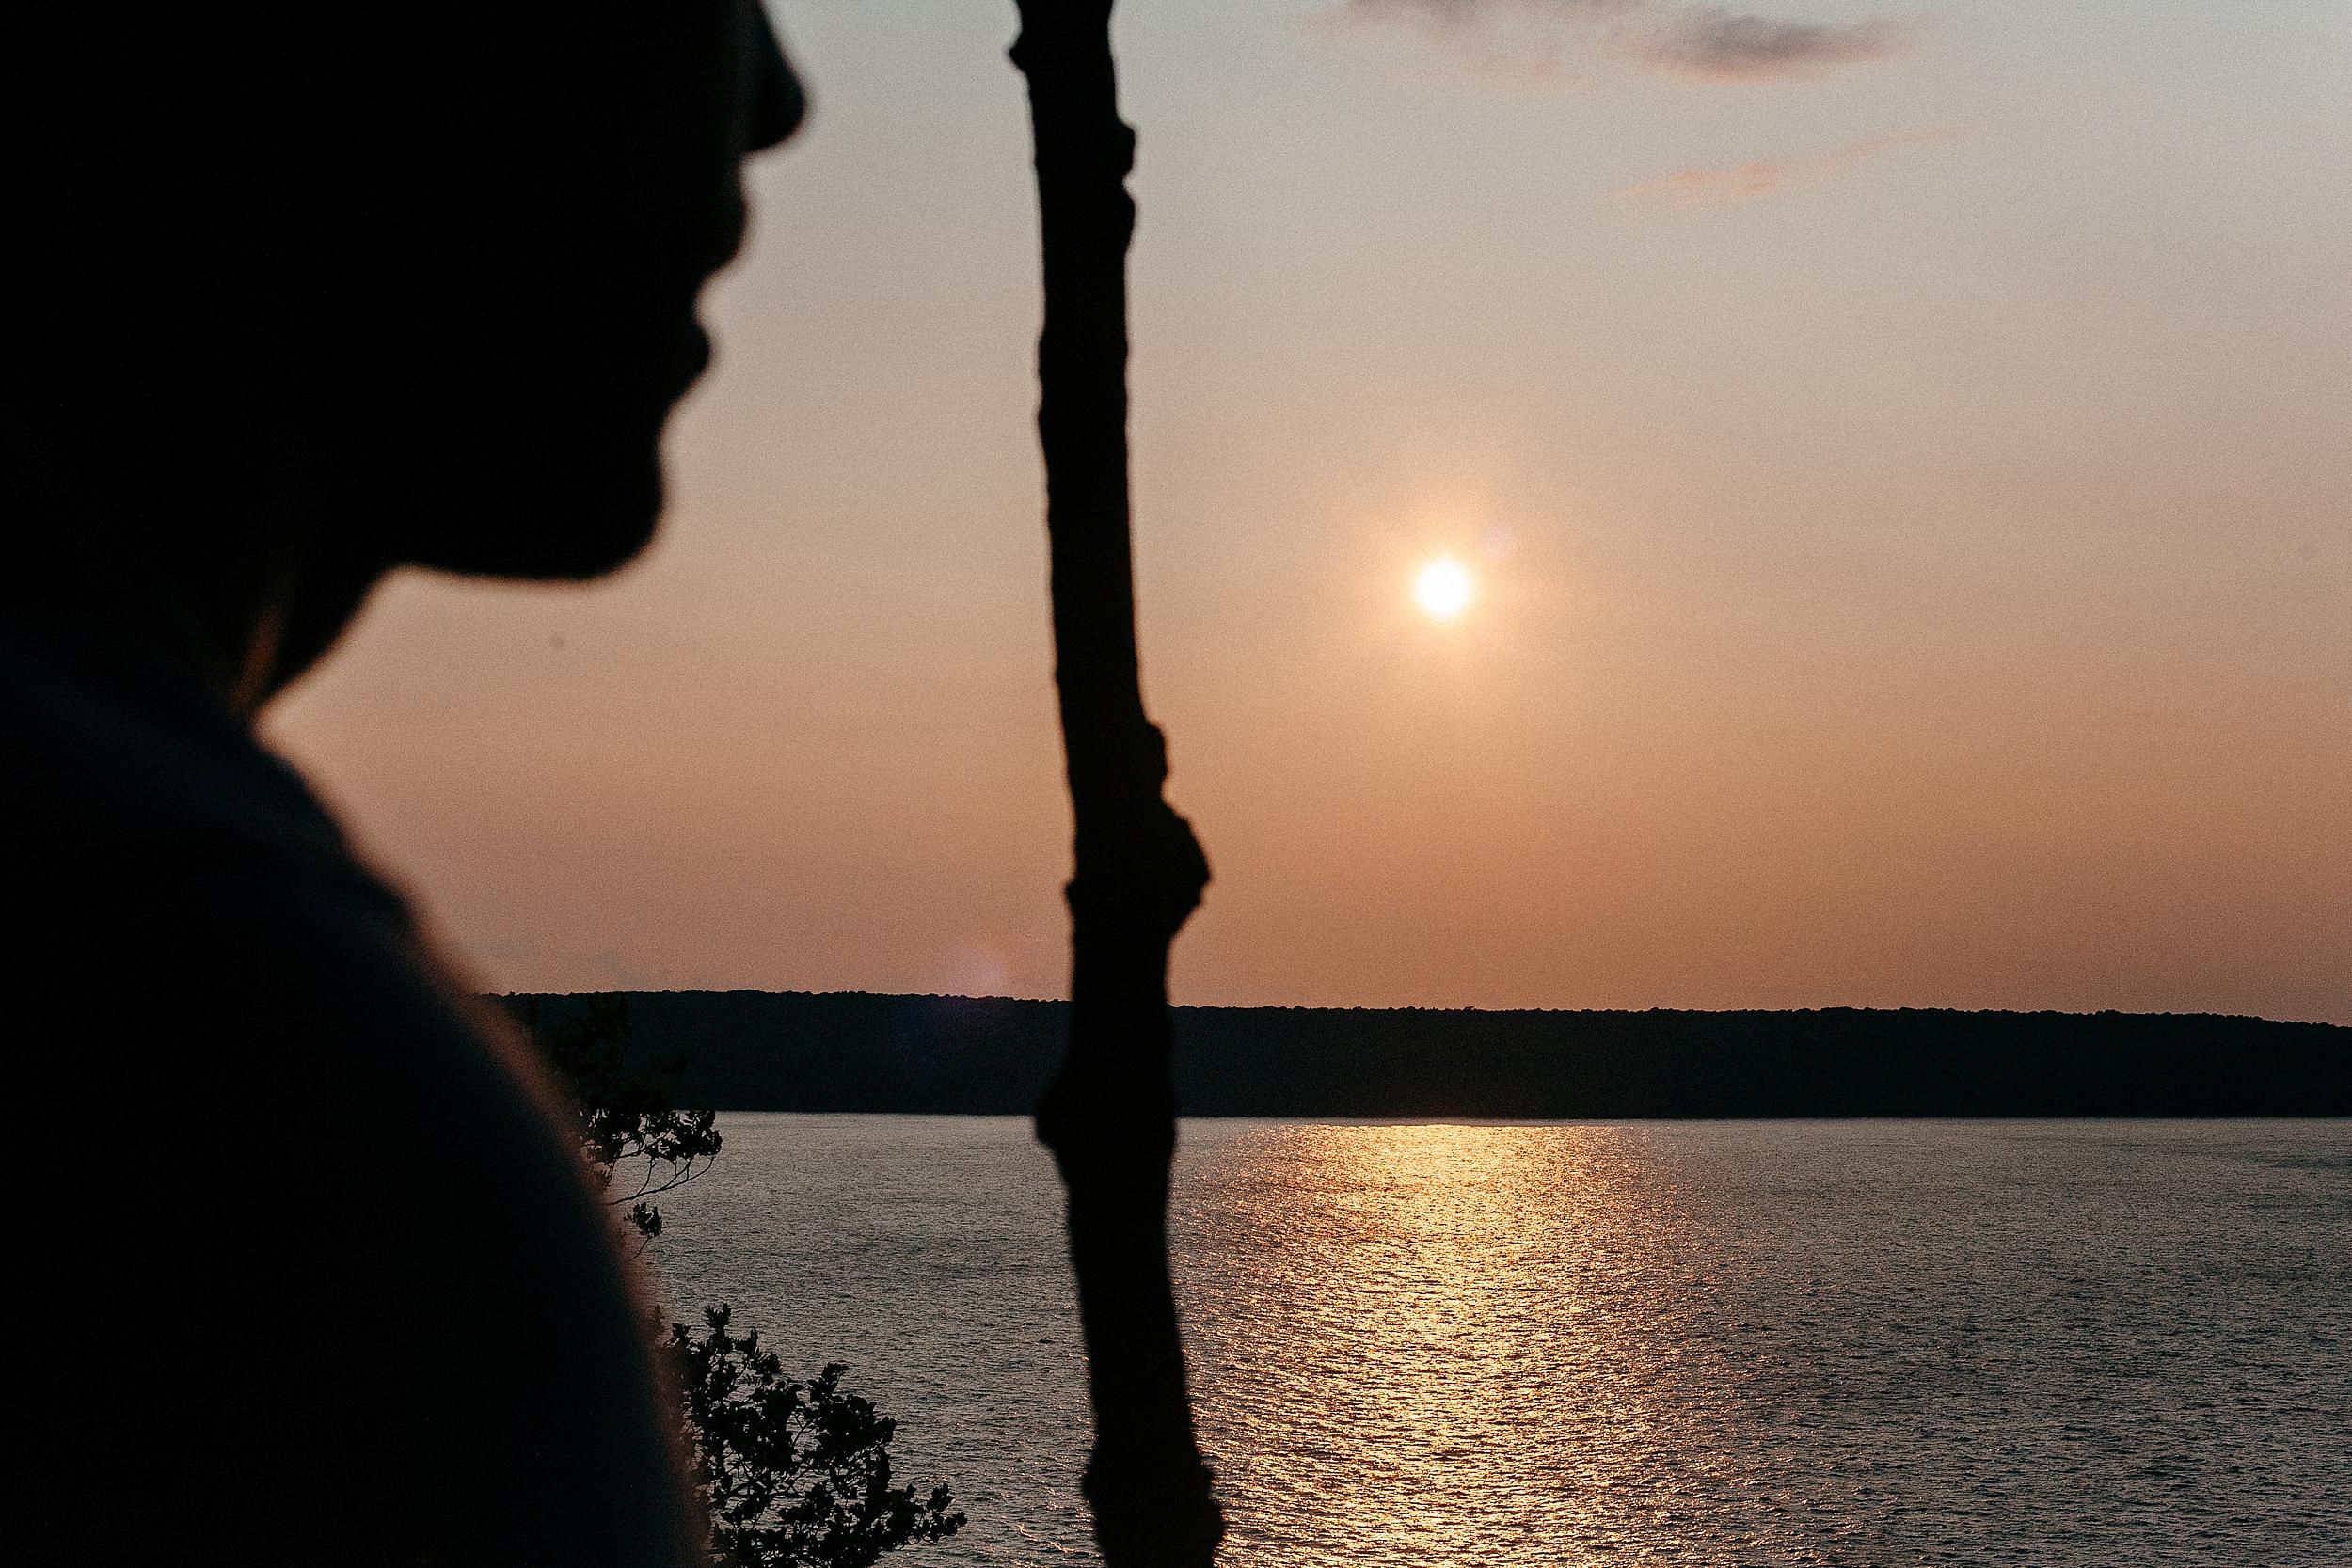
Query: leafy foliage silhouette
pixel 627 1115
pixel 793 1474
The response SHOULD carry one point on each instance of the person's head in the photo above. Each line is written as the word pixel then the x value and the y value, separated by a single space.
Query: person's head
pixel 399 281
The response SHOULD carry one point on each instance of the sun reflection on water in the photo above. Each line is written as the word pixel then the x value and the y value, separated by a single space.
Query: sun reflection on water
pixel 1472 1328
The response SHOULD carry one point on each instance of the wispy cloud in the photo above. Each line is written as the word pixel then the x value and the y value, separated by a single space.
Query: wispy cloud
pixel 1726 47
pixel 1762 177
pixel 1705 42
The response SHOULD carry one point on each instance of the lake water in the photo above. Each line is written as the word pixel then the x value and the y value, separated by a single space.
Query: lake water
pixel 1674 1342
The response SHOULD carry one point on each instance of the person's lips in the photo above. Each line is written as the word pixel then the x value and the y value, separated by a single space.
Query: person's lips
pixel 729 238
pixel 693 355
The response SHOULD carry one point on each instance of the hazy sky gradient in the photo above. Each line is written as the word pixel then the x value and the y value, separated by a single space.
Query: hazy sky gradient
pixel 1911 496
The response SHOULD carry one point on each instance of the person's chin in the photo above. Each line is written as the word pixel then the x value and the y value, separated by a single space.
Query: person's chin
pixel 560 479
pixel 570 521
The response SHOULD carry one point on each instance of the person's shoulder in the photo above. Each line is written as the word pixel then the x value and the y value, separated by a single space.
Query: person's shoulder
pixel 167 864
pixel 161 857
pixel 184 899
pixel 123 759
pixel 299 1105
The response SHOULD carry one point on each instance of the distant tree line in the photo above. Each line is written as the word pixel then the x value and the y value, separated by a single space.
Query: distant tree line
pixel 857 1052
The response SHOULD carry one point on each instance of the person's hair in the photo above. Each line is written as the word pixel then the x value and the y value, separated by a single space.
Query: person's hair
pixel 148 163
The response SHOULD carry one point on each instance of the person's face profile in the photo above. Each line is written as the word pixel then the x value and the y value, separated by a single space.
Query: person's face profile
pixel 534 245
pixel 404 281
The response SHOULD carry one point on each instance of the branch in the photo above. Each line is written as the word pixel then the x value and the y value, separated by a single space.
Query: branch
pixel 1109 1116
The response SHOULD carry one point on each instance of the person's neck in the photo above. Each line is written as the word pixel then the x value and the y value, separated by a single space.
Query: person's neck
pixel 241 621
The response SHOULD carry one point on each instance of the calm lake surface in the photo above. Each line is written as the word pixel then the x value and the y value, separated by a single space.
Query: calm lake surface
pixel 1676 1342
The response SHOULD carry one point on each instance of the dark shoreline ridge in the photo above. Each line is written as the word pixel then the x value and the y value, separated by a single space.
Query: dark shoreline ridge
pixel 797 1051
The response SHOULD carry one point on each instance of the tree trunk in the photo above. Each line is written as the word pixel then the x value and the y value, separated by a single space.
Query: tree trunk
pixel 1109 1116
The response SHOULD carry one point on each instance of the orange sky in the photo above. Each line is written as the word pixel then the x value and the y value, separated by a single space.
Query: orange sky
pixel 1908 496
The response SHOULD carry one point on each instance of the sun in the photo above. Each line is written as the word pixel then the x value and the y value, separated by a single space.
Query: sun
pixel 1443 589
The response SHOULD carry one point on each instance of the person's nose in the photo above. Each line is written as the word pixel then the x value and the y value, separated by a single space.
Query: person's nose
pixel 778 105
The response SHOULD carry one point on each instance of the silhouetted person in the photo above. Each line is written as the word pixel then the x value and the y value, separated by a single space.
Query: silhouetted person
pixel 303 292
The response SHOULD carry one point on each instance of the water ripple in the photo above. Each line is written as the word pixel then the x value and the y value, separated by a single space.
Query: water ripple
pixel 1702 1344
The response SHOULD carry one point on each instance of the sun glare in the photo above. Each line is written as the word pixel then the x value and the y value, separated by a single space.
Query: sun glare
pixel 1443 589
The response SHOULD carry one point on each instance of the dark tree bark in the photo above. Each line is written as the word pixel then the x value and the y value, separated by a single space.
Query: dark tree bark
pixel 1109 1116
